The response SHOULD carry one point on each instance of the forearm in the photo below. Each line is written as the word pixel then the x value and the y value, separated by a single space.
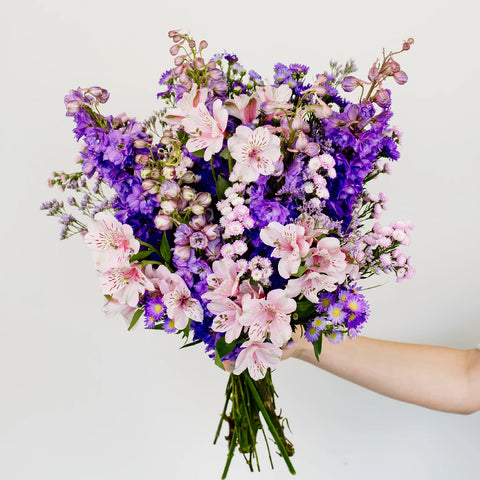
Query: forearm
pixel 435 377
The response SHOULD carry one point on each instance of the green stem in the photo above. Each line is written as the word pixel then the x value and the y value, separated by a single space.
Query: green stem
pixel 269 422
pixel 230 455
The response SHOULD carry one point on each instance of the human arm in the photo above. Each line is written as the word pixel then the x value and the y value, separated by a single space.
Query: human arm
pixel 439 378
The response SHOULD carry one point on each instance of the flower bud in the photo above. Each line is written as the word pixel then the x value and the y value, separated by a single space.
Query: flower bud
pixel 182 251
pixel 312 149
pixel 382 98
pixel 349 83
pixel 141 159
pixel 174 49
pixel 168 206
pixel 188 177
pixel 204 199
pixel 198 222
pixel 203 45
pixel 400 77
pixel 197 209
pixel 188 193
pixel 170 189
pixel 211 231
pixel 321 79
pixel 140 143
pixel 163 222
pixel 301 142
pixel 179 60
pixel 145 173
pixel 150 186
pixel 373 73
pixel 168 173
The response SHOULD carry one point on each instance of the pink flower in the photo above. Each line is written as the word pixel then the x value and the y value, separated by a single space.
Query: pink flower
pixel 255 151
pixel 189 100
pixel 163 280
pixel 125 284
pixel 227 318
pixel 206 132
pixel 224 280
pixel 257 357
pixel 112 242
pixel 290 244
pixel 310 284
pixel 328 258
pixel 275 100
pixel 244 107
pixel 268 316
pixel 113 307
pixel 181 307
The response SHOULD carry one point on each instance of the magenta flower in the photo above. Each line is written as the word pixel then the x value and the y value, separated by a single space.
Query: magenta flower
pixel 112 242
pixel 290 244
pixel 256 152
pixel 258 357
pixel 268 316
pixel 206 132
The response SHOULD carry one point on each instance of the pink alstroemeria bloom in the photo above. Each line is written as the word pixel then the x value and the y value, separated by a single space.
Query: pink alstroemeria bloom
pixel 163 279
pixel 328 258
pixel 290 244
pixel 206 132
pixel 181 307
pixel 310 284
pixel 244 107
pixel 224 280
pixel 125 284
pixel 255 151
pixel 112 242
pixel 189 100
pixel 258 357
pixel 275 100
pixel 112 307
pixel 269 315
pixel 227 318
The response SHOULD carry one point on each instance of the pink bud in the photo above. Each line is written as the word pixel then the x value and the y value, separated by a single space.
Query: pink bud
pixel 191 43
pixel 301 142
pixel 179 60
pixel 211 231
pixel 141 159
pixel 163 222
pixel 172 33
pixel 394 67
pixel 140 143
pixel 400 77
pixel 382 98
pixel 203 45
pixel 178 39
pixel 183 251
pixel 150 186
pixel 188 193
pixel 174 49
pixel 349 83
pixel 170 189
pixel 198 222
pixel 373 73
pixel 204 199
pixel 168 206
pixel 312 149
pixel 199 63
pixel 197 209
pixel 321 79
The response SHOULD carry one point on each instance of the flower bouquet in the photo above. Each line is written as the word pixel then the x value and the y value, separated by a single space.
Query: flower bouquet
pixel 238 213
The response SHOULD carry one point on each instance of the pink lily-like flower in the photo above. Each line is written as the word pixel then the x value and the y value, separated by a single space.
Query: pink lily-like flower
pixel 328 258
pixel 310 284
pixel 112 242
pixel 269 315
pixel 181 307
pixel 125 284
pixel 224 280
pixel 290 244
pixel 275 100
pixel 189 100
pixel 258 357
pixel 256 153
pixel 112 307
pixel 227 318
pixel 206 132
pixel 244 107
pixel 163 279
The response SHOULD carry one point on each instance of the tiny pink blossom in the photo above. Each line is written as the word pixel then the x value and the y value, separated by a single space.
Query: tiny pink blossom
pixel 258 357
pixel 112 242
pixel 290 245
pixel 255 151
pixel 206 132
pixel 268 316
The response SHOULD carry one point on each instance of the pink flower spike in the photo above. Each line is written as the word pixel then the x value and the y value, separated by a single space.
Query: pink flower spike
pixel 255 151
pixel 258 357
pixel 112 242
pixel 290 243
pixel 206 132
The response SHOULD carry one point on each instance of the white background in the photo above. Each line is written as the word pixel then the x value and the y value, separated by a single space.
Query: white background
pixel 82 398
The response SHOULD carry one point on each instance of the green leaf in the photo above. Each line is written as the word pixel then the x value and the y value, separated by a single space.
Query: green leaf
pixel 191 344
pixel 302 269
pixel 222 185
pixel 222 348
pixel 225 154
pixel 165 250
pixel 199 153
pixel 140 255
pixel 305 309
pixel 317 346
pixel 135 318
pixel 182 136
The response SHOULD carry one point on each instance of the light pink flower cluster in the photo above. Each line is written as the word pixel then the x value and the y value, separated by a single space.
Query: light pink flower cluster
pixel 113 244
pixel 239 305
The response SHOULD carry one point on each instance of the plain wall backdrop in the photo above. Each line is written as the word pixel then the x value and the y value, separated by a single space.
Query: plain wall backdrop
pixel 83 399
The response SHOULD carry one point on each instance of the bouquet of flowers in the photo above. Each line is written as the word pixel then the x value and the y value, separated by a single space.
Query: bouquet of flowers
pixel 238 213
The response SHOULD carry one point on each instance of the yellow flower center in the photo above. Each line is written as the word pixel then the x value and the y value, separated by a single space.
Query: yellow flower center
pixel 336 312
pixel 353 306
pixel 158 308
pixel 326 302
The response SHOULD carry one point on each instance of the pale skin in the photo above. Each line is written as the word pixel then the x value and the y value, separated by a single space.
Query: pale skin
pixel 439 378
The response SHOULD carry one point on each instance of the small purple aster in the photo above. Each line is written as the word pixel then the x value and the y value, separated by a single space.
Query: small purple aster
pixel 336 314
pixel 155 308
pixel 334 337
pixel 312 332
pixel 169 326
